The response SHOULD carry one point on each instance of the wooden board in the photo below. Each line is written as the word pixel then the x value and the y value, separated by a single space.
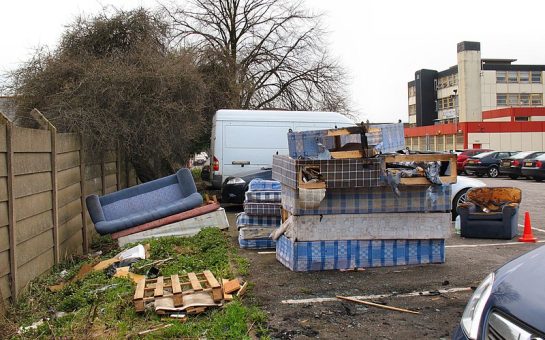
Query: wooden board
pixel 111 180
pixel 34 268
pixel 67 142
pixel 231 286
pixel 69 194
pixel 93 171
pixel 195 284
pixel 29 249
pixel 159 287
pixel 33 226
pixel 69 228
pixel 68 160
pixel 217 293
pixel 4 238
pixel 3 164
pixel 449 179
pixel 67 177
pixel 3 137
pixel 3 213
pixel 72 246
pixel 31 140
pixel 32 205
pixel 346 154
pixel 29 163
pixel 3 189
pixel 29 184
pixel 69 211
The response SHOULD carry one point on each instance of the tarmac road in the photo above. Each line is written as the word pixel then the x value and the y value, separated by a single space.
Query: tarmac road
pixel 468 261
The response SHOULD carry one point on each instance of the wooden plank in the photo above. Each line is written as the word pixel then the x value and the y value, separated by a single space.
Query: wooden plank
pixel 344 131
pixel 4 263
pixel 69 228
pixel 139 292
pixel 377 305
pixel 28 250
pixel 68 160
pixel 29 163
pixel 33 226
pixel 93 171
pixel 3 189
pixel 29 184
pixel 195 284
pixel 69 211
pixel 176 290
pixel 425 181
pixel 68 177
pixel 35 268
pixel 32 205
pixel 31 140
pixel 217 293
pixel 346 154
pixel 158 287
pixel 231 286
pixel 420 158
pixel 69 194
pixel 5 287
pixel 3 165
pixel 71 246
pixel 110 180
pixel 67 142
pixel 4 238
pixel 4 220
pixel 82 200
pixel 3 138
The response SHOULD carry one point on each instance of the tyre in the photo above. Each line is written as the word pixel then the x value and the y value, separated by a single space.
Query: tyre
pixel 493 172
pixel 513 176
pixel 460 197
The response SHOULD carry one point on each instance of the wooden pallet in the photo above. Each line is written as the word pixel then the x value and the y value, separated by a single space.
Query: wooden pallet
pixel 451 158
pixel 176 286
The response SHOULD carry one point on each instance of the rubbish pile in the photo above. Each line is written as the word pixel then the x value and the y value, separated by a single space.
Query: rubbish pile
pixel 341 212
pixel 261 216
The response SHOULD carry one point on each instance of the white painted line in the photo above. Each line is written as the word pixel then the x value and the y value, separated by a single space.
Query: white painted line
pixel 378 296
pixel 266 252
pixel 486 244
pixel 536 229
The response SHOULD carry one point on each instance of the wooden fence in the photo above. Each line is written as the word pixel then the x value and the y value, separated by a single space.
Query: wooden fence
pixel 44 179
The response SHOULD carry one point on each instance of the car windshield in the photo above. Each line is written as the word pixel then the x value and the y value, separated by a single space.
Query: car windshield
pixel 484 154
pixel 522 155
pixel 541 157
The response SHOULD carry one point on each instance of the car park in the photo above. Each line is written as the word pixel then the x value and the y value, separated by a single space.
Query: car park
pixel 463 155
pixel 486 163
pixel 509 303
pixel 534 168
pixel 512 166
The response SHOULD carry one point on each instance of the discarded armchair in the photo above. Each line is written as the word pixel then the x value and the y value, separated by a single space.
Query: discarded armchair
pixel 144 203
pixel 490 213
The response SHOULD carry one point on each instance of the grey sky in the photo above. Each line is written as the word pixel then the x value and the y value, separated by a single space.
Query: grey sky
pixel 380 43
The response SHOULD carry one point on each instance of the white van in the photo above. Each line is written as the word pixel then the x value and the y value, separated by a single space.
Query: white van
pixel 246 140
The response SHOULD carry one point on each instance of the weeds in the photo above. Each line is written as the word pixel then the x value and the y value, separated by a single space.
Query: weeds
pixel 101 306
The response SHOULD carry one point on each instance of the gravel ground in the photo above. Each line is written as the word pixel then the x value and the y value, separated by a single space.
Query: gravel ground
pixel 439 313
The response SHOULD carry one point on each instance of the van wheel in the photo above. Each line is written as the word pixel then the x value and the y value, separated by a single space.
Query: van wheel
pixel 493 172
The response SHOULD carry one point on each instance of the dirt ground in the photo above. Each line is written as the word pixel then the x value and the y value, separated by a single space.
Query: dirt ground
pixel 468 261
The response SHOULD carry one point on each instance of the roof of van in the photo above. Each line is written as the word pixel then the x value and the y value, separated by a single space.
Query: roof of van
pixel 280 116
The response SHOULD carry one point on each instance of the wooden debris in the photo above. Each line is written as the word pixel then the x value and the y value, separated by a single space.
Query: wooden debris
pixel 242 290
pixel 231 286
pixel 154 329
pixel 377 305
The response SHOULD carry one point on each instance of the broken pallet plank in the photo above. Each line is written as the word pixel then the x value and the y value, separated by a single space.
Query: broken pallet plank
pixel 176 290
pixel 159 287
pixel 231 286
pixel 217 293
pixel 195 283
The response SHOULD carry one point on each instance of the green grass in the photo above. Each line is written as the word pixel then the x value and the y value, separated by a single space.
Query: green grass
pixel 109 313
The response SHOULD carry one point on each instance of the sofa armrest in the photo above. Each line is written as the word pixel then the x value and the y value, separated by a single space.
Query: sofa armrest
pixel 466 208
pixel 509 210
pixel 95 208
pixel 186 182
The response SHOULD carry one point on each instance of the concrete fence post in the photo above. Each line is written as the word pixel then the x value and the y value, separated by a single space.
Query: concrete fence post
pixel 82 188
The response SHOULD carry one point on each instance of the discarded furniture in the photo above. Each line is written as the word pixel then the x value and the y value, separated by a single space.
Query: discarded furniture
pixel 490 213
pixel 144 203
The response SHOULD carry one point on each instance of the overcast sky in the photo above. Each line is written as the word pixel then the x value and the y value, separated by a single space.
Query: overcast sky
pixel 380 43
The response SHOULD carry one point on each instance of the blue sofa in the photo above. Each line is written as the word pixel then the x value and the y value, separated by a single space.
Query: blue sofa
pixel 143 203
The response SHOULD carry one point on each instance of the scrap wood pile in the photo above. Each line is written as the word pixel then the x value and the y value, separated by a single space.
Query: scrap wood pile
pixel 261 216
pixel 351 199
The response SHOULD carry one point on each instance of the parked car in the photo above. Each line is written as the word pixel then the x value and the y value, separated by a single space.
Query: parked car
pixel 509 303
pixel 246 140
pixel 512 166
pixel 486 163
pixel 534 168
pixel 465 154
pixel 235 187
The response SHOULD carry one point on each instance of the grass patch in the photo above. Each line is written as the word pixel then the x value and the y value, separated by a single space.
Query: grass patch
pixel 101 306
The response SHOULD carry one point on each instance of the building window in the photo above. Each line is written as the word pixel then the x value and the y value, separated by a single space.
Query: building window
pixel 524 99
pixel 521 119
pixel 512 99
pixel 512 77
pixel 536 99
pixel 501 99
pixel 501 77
pixel 412 91
pixel 412 110
pixel 536 77
pixel 524 77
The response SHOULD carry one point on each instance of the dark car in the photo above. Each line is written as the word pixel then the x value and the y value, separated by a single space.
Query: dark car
pixel 234 187
pixel 465 154
pixel 512 166
pixel 534 168
pixel 487 163
pixel 509 303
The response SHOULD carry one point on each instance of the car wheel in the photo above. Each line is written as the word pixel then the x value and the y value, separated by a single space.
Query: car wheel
pixel 513 176
pixel 460 198
pixel 493 172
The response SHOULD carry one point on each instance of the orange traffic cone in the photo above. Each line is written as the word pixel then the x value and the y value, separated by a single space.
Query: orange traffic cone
pixel 527 235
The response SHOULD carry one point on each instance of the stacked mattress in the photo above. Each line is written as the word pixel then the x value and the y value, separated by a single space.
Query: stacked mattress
pixel 261 216
pixel 356 220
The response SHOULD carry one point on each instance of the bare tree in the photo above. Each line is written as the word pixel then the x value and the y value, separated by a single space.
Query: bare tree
pixel 266 53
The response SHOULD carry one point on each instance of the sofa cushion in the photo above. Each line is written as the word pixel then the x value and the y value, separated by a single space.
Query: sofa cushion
pixel 495 216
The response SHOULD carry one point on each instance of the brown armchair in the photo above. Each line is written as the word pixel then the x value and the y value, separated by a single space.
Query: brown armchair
pixel 490 213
